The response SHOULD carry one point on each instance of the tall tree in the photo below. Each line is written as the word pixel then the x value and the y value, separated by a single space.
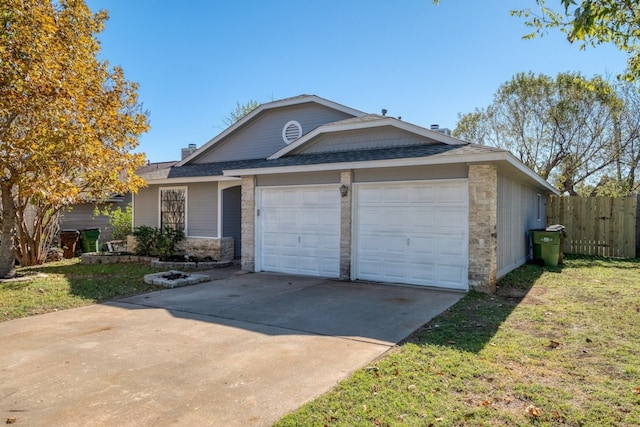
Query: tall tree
pixel 570 130
pixel 592 22
pixel 68 121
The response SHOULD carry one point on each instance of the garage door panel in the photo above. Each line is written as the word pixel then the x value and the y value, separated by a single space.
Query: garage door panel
pixel 412 233
pixel 422 247
pixel 452 247
pixel 299 230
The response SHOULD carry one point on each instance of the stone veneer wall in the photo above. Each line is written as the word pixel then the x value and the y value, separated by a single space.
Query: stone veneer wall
pixel 346 178
pixel 483 237
pixel 220 249
pixel 248 222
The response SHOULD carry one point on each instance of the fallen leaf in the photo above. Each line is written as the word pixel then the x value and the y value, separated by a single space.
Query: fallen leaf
pixel 554 344
pixel 11 420
pixel 534 411
pixel 637 390
pixel 411 387
pixel 486 403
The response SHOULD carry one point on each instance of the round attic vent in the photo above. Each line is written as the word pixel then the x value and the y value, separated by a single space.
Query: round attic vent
pixel 291 131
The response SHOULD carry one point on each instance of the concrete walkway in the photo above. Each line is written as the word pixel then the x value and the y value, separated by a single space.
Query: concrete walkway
pixel 238 351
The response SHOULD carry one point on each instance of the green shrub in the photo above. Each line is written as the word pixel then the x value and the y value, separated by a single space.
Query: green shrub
pixel 153 241
pixel 120 220
pixel 146 238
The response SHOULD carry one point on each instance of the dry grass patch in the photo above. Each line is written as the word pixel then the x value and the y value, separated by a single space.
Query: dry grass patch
pixel 554 346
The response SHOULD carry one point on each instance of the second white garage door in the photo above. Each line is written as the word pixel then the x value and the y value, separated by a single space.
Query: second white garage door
pixel 412 232
pixel 299 230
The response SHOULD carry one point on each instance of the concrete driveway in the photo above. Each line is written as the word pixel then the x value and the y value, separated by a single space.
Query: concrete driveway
pixel 238 351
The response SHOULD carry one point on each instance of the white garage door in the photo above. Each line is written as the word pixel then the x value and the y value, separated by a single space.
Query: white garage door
pixel 412 232
pixel 299 230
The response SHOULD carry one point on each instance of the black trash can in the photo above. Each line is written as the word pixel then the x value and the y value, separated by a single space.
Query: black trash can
pixel 68 241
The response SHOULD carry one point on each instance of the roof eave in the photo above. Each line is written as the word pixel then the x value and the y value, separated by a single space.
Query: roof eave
pixel 441 159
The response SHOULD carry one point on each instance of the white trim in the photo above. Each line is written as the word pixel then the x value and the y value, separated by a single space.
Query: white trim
pixel 268 106
pixel 223 186
pixel 189 180
pixel 388 121
pixel 186 206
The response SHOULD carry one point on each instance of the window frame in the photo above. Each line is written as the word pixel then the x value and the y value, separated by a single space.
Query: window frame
pixel 186 204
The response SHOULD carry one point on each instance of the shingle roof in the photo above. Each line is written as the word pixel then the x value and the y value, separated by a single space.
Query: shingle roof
pixel 427 150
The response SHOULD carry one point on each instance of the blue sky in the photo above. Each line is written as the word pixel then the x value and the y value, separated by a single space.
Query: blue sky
pixel 425 63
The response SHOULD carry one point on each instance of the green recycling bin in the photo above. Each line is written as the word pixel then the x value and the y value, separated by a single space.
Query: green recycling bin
pixel 90 240
pixel 546 246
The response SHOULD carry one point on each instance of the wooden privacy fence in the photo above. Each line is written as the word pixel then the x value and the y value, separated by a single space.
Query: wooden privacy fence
pixel 602 226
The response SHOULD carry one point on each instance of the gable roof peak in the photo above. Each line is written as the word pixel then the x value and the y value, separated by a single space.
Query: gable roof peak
pixel 285 102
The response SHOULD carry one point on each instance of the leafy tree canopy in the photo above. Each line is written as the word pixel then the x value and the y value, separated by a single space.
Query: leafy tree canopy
pixel 583 135
pixel 68 121
pixel 592 22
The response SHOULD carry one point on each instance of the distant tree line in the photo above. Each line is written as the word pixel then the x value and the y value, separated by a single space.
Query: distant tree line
pixel 580 134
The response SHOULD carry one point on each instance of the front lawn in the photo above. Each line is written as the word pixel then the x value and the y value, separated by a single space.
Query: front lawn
pixel 555 347
pixel 67 284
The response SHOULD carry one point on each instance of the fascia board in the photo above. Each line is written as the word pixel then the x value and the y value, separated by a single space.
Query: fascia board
pixel 366 164
pixel 414 161
pixel 187 180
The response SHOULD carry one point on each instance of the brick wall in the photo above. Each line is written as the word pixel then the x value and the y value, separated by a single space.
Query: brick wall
pixel 483 241
pixel 346 179
pixel 248 222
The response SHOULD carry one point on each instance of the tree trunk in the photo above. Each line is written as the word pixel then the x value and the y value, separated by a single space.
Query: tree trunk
pixel 7 258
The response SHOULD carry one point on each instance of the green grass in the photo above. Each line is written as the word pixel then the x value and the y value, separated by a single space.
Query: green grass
pixel 554 347
pixel 67 284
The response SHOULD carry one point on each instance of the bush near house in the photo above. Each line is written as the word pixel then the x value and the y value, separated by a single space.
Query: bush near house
pixel 160 242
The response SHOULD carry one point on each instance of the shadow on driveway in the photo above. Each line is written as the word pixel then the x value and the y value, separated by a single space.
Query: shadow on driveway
pixel 298 304
pixel 240 351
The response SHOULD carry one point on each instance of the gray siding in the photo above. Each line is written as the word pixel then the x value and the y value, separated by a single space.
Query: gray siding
pixel 304 178
pixel 411 173
pixel 517 214
pixel 145 207
pixel 80 217
pixel 363 139
pixel 202 210
pixel 263 135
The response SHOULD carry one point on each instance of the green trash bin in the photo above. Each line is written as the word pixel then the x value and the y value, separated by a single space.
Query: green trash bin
pixel 546 246
pixel 90 240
